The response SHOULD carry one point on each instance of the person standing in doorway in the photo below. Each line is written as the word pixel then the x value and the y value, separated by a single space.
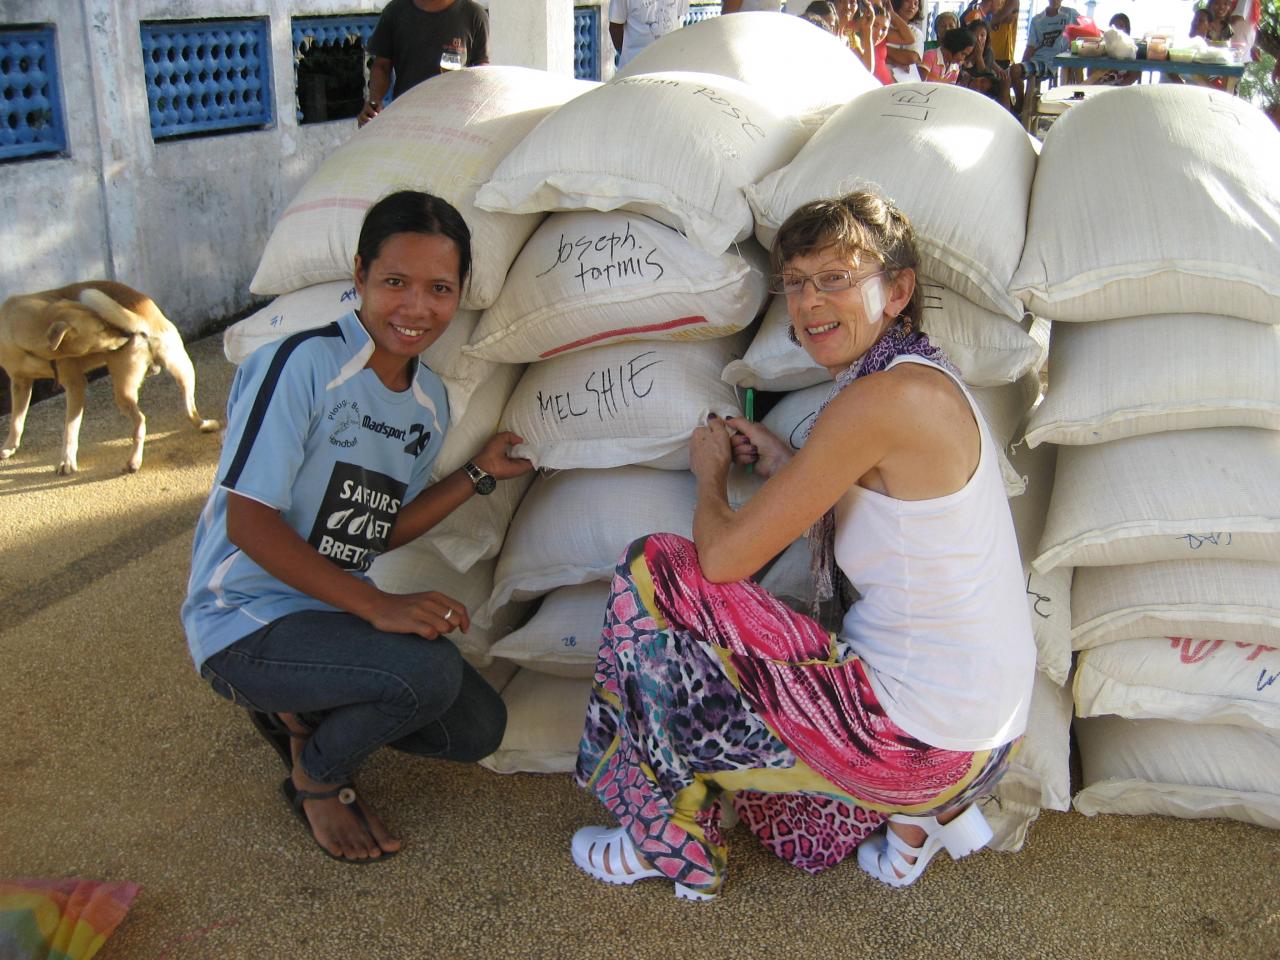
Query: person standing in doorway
pixel 417 39
pixel 634 24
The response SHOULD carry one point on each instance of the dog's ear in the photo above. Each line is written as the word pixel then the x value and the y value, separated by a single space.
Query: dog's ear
pixel 57 332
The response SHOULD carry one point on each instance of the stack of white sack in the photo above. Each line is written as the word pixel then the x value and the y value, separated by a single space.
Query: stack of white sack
pixel 606 307
pixel 678 147
pixel 445 137
pixel 954 162
pixel 626 326
pixel 1039 775
pixel 803 72
pixel 1166 410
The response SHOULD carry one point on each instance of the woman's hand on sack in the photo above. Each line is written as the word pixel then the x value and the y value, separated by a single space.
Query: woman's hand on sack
pixel 710 451
pixel 495 457
pixel 430 614
pixel 754 443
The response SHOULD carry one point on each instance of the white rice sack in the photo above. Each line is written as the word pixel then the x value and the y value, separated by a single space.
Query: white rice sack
pixel 1005 409
pixel 469 432
pixel 1010 822
pixel 563 637
pixel 1189 494
pixel 621 404
pixel 800 70
pixel 1191 228
pixel 987 349
pixel 588 279
pixel 475 530
pixel 772 362
pixel 1040 772
pixel 1191 770
pixel 678 147
pixel 573 526
pixel 1125 377
pixel 306 309
pixel 931 148
pixel 417 567
pixel 444 137
pixel 1234 600
pixel 323 303
pixel 1048 594
pixel 1180 678
pixel 544 724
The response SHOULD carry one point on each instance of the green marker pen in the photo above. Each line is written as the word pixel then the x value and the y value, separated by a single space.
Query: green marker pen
pixel 751 417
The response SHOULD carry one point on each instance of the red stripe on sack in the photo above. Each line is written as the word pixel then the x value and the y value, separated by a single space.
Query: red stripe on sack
pixel 651 328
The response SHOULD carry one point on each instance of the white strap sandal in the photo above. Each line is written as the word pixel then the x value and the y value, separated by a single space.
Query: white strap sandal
pixel 609 855
pixel 885 857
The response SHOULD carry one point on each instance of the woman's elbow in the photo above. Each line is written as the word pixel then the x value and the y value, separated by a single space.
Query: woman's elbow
pixel 719 566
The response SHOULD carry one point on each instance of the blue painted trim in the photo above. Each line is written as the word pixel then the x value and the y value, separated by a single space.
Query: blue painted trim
pixel 31 112
pixel 204 76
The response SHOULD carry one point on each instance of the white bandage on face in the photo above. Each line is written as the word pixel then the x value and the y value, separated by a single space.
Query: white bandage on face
pixel 874 298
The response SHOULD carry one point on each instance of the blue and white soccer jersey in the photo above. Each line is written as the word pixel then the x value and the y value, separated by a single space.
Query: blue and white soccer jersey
pixel 315 435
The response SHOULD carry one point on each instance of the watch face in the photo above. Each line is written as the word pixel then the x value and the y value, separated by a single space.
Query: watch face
pixel 486 485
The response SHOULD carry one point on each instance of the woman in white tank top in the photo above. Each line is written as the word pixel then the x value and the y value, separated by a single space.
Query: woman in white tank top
pixel 708 688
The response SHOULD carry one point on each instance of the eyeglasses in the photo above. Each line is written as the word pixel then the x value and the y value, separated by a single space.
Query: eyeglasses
pixel 824 281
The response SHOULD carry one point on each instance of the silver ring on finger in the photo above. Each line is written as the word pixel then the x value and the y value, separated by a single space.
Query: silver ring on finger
pixel 448 615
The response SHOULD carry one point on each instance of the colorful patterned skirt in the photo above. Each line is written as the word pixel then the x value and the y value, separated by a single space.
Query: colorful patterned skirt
pixel 706 690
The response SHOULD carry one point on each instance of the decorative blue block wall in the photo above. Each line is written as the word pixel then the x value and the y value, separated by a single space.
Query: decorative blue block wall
pixel 31 122
pixel 206 76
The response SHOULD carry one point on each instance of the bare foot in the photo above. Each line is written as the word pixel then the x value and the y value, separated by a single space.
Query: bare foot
pixel 334 824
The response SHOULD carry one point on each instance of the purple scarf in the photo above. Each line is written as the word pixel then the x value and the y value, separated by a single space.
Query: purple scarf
pixel 901 339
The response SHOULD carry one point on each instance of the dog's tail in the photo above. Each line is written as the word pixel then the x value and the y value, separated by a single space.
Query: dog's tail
pixel 113 313
pixel 164 340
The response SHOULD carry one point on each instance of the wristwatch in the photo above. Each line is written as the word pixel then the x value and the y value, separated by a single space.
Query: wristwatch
pixel 485 483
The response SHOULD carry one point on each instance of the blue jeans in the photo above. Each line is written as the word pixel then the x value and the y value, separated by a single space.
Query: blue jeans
pixel 368 687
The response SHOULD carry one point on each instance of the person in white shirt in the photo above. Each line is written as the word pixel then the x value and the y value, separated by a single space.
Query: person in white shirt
pixel 634 24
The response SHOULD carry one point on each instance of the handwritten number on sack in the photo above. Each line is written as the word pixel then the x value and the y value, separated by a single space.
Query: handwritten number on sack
pixel 1197 540
pixel 1039 599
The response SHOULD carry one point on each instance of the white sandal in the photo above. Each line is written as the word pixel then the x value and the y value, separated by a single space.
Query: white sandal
pixel 598 851
pixel 884 857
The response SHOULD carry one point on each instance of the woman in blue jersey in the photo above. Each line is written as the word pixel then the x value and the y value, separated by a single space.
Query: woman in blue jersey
pixel 331 435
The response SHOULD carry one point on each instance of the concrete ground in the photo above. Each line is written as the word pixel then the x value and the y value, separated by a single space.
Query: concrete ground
pixel 117 763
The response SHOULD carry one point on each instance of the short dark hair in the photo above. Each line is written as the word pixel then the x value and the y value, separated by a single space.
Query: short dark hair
pixel 958 40
pixel 412 211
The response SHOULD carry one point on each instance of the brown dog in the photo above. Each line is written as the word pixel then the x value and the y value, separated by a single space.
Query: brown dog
pixel 65 333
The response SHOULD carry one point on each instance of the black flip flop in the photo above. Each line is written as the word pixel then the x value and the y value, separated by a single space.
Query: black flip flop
pixel 346 793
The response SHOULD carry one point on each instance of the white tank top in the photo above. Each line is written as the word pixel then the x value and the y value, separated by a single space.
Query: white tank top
pixel 942 624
